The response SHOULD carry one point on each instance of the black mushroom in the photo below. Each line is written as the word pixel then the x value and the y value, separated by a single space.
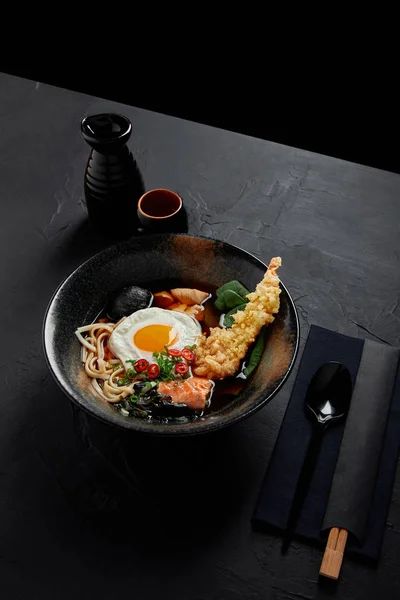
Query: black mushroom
pixel 126 301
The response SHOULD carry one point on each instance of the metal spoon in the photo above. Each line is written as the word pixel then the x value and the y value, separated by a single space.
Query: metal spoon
pixel 327 402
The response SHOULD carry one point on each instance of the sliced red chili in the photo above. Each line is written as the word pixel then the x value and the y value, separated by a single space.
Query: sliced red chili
pixel 173 352
pixel 188 355
pixel 153 371
pixel 141 365
pixel 181 368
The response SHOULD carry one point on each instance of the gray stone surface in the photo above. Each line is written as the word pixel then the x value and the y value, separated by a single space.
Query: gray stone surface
pixel 70 519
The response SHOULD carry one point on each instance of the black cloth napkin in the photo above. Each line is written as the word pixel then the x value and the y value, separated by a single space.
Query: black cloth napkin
pixel 281 478
pixel 360 452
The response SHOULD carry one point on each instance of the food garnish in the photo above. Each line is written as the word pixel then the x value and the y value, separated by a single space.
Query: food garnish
pixel 141 365
pixel 188 355
pixel 181 368
pixel 153 371
pixel 174 352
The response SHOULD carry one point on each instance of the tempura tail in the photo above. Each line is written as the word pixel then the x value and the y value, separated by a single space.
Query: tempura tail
pixel 265 298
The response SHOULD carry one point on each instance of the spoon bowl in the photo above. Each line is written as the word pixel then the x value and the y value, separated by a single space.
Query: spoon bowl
pixel 329 393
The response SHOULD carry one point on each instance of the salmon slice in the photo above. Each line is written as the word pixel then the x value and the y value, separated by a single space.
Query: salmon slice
pixel 192 391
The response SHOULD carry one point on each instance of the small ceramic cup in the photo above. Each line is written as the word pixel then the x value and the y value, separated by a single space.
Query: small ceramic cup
pixel 161 210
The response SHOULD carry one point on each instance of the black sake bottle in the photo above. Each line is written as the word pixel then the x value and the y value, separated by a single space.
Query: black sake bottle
pixel 113 183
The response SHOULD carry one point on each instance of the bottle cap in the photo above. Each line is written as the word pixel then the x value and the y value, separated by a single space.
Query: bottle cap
pixel 105 131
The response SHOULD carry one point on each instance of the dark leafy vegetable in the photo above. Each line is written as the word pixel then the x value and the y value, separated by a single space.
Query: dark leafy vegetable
pixel 132 409
pixel 165 408
pixel 228 300
pixel 136 412
pixel 231 295
pixel 233 286
pixel 228 319
pixel 256 353
pixel 141 387
pixel 148 403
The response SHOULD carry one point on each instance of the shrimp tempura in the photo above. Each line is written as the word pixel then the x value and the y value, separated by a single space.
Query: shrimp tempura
pixel 219 355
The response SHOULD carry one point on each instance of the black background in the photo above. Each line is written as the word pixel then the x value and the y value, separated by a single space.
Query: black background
pixel 343 106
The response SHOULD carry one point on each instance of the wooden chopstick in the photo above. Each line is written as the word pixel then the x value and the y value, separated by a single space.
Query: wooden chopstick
pixel 333 556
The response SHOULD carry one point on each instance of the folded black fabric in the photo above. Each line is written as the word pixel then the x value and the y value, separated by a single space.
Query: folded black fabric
pixel 281 478
pixel 360 452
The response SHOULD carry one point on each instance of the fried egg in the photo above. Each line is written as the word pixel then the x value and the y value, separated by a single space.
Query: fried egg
pixel 150 330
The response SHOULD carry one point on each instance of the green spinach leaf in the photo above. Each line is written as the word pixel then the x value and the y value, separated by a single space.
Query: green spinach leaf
pixel 233 286
pixel 228 319
pixel 256 353
pixel 229 299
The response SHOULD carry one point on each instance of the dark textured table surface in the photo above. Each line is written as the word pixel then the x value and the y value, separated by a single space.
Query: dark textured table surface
pixel 88 513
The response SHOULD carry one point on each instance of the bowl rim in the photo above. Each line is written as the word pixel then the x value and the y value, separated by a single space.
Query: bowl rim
pixel 209 425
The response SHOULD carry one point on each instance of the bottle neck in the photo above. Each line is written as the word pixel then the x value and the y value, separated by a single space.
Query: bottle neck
pixel 121 151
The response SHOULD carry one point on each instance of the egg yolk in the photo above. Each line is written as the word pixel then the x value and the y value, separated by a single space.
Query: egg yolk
pixel 154 338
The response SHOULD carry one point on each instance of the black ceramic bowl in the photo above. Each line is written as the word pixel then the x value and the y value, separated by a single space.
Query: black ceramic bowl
pixel 154 261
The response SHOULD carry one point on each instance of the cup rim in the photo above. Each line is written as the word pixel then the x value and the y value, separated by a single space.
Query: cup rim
pixel 159 190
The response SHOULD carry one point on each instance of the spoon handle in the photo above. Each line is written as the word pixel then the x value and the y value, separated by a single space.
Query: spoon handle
pixel 303 483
